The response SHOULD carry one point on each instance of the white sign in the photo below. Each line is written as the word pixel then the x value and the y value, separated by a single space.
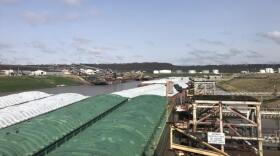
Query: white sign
pixel 216 138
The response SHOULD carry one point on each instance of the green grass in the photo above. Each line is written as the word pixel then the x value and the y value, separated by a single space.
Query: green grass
pixel 10 84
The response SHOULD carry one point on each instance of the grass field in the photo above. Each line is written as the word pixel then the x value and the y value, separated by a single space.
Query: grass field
pixel 251 84
pixel 255 83
pixel 10 84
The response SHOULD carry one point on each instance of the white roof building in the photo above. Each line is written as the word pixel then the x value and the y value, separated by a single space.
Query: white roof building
pixel 88 71
pixel 7 72
pixel 38 73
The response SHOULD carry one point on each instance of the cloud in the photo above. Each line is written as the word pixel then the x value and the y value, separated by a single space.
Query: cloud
pixel 211 42
pixel 91 51
pixel 82 40
pixel 41 47
pixel 94 12
pixel 72 17
pixel 150 43
pixel 273 35
pixel 235 52
pixel 9 1
pixel 188 45
pixel 43 17
pixel 137 56
pixel 5 46
pixel 35 18
pixel 72 2
pixel 201 56
pixel 253 54
pixel 119 57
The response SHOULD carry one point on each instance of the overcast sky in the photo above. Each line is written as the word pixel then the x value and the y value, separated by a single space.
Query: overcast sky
pixel 183 32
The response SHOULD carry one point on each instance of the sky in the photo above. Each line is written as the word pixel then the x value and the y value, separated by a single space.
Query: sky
pixel 182 32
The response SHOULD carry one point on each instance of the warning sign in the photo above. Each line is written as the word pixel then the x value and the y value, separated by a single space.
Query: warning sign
pixel 216 138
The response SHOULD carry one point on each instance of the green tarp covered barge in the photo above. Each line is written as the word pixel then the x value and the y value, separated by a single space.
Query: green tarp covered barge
pixel 130 130
pixel 131 122
pixel 40 133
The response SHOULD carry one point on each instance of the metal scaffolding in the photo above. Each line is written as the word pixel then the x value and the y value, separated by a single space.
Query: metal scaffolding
pixel 204 87
pixel 238 119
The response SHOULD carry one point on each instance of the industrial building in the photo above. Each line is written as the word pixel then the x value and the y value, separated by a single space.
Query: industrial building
pixel 164 71
pixel 38 73
pixel 7 72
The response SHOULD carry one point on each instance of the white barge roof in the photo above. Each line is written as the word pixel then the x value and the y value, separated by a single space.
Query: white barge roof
pixel 182 81
pixel 18 113
pixel 15 99
pixel 155 89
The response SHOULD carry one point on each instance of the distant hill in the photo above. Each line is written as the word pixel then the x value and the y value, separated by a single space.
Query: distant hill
pixel 150 66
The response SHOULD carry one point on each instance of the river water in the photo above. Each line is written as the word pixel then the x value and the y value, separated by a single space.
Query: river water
pixel 88 89
pixel 92 90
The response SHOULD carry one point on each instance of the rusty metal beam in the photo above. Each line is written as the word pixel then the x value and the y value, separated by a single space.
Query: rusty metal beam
pixel 201 142
pixel 217 123
pixel 246 141
pixel 227 102
pixel 241 116
pixel 195 150
pixel 207 116
pixel 244 138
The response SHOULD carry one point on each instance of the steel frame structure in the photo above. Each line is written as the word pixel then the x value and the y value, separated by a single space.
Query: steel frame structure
pixel 204 87
pixel 240 121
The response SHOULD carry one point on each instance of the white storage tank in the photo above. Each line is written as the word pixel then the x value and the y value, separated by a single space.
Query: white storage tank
pixel 262 71
pixel 192 71
pixel 156 72
pixel 269 70
pixel 165 71
pixel 205 72
pixel 216 71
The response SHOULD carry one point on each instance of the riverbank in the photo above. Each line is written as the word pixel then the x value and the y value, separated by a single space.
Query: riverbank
pixel 23 83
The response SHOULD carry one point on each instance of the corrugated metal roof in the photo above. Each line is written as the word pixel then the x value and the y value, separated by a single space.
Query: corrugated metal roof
pixel 17 113
pixel 29 137
pixel 155 89
pixel 126 131
pixel 14 99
